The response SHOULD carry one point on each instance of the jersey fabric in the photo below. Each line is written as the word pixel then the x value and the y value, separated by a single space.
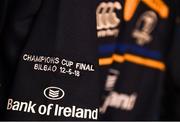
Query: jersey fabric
pixel 51 57
pixel 3 14
pixel 171 97
pixel 136 61
pixel 71 60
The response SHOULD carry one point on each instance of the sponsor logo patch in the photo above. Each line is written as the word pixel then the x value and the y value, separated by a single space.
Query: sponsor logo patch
pixel 107 20
pixel 54 93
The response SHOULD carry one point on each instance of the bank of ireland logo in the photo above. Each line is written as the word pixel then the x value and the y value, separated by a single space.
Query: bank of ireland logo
pixel 107 20
pixel 144 27
pixel 54 93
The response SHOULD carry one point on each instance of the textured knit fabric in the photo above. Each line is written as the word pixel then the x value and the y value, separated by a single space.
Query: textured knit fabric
pixel 51 56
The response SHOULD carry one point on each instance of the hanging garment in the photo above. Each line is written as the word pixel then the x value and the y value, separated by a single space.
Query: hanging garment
pixel 134 86
pixel 3 14
pixel 52 63
pixel 171 98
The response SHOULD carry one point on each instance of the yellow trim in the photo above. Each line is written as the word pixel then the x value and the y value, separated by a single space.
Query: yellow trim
pixel 133 59
pixel 105 61
pixel 118 58
pixel 159 6
pixel 145 61
pixel 130 8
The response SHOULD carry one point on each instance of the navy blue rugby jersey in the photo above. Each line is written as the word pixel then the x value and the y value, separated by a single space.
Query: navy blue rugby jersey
pixel 2 19
pixel 171 98
pixel 109 23
pixel 3 13
pixel 134 87
pixel 1 59
pixel 51 57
